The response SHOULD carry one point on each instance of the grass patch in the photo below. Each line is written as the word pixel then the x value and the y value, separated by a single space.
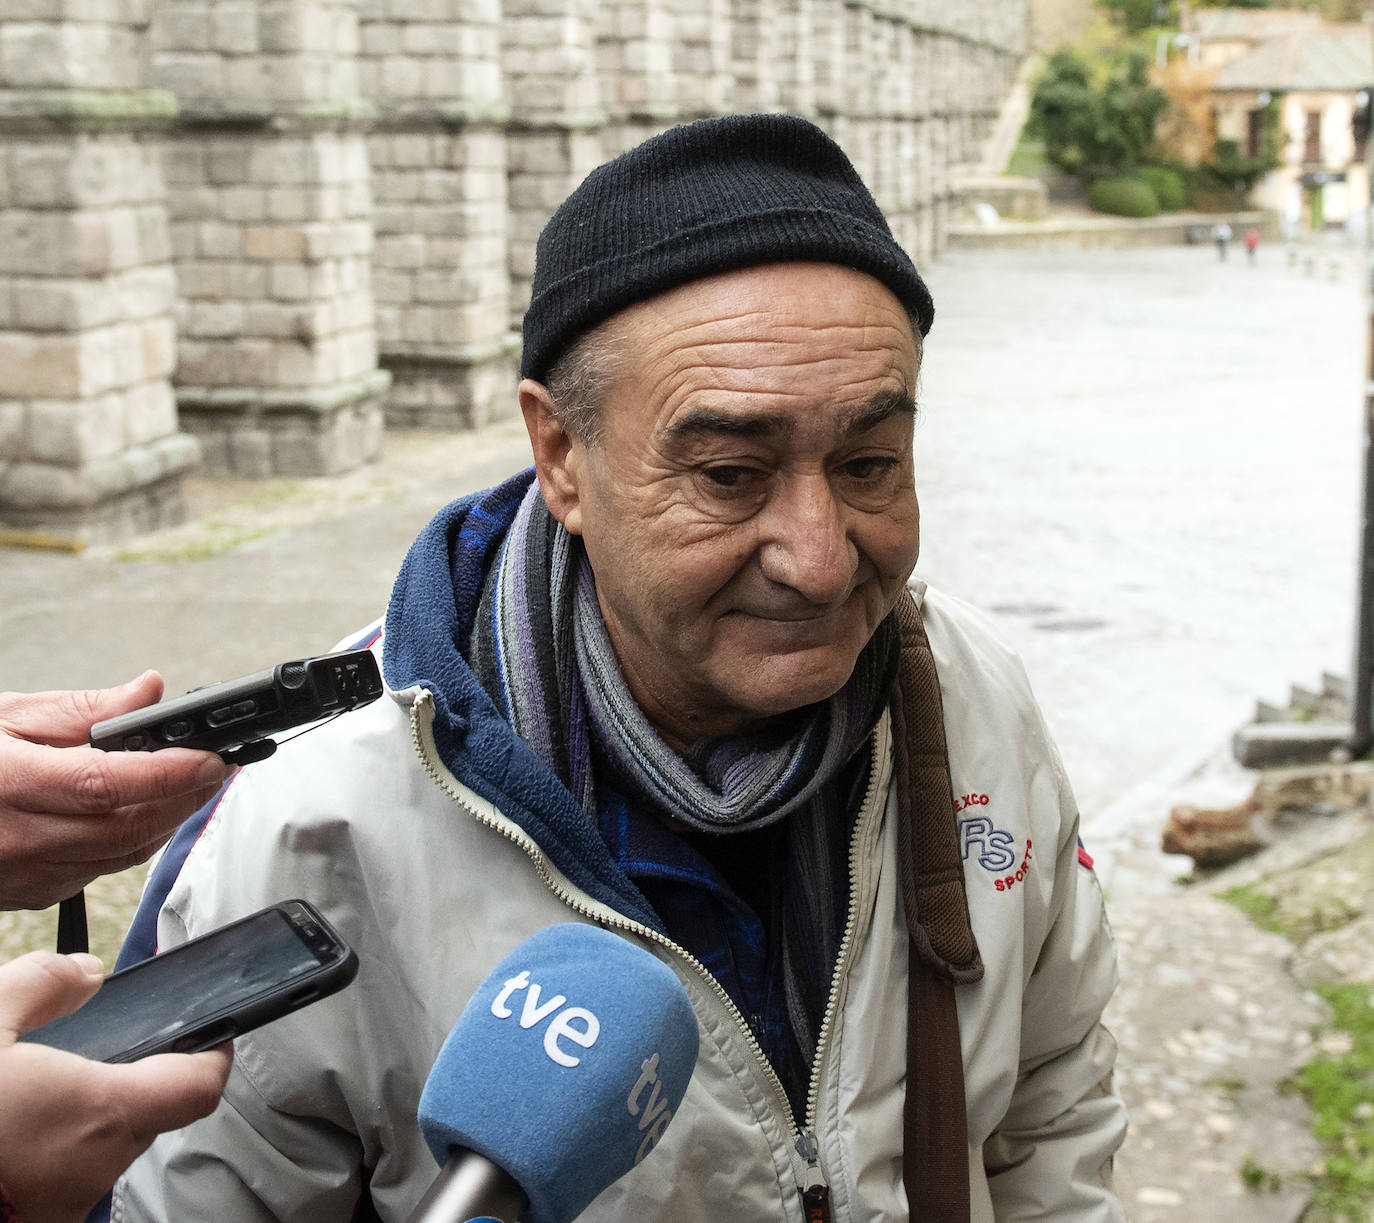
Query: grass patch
pixel 1259 1179
pixel 1028 160
pixel 1260 907
pixel 273 494
pixel 1339 1087
pixel 221 540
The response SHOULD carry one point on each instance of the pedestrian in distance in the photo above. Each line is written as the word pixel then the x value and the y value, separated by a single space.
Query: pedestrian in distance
pixel 1221 235
pixel 1251 242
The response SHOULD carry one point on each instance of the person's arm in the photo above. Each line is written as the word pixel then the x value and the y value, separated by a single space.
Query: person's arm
pixel 69 812
pixel 69 1126
pixel 1051 1156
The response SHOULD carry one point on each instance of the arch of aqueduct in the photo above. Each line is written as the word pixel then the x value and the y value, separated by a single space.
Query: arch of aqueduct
pixel 251 235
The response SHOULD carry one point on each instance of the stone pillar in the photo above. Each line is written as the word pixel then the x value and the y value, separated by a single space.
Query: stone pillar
pixel 883 39
pixel 971 92
pixel 856 128
pixel 906 187
pixel 701 57
pixel 271 225
pixel 923 150
pixel 944 121
pixel 554 136
pixel 828 62
pixel 754 52
pixel 432 69
pixel 635 64
pixel 796 61
pixel 983 77
pixel 89 447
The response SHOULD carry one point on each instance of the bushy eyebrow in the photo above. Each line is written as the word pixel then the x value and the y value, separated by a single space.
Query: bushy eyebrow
pixel 702 421
pixel 879 409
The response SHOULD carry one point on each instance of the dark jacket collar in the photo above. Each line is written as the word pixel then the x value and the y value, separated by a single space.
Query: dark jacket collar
pixel 428 623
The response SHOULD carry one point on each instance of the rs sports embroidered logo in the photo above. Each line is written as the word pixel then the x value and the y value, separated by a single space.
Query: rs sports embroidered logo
pixel 991 847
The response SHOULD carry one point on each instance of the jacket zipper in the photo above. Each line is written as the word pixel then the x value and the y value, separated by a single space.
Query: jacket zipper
pixel 815 1192
pixel 815 1189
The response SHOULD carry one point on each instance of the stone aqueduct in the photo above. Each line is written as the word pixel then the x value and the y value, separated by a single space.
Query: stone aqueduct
pixel 251 235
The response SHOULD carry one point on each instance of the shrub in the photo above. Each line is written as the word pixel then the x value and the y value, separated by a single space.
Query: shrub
pixel 1123 197
pixel 1095 125
pixel 1166 184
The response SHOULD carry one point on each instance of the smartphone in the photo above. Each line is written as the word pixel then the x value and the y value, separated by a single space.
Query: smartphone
pixel 224 717
pixel 210 989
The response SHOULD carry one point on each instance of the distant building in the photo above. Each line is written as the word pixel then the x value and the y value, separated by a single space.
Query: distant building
pixel 1219 36
pixel 1316 76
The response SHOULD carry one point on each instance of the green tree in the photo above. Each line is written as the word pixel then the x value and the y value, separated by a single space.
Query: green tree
pixel 1095 127
pixel 1330 10
pixel 1137 15
pixel 1343 10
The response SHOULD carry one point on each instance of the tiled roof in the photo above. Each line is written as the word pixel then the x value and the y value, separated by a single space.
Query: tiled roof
pixel 1248 25
pixel 1332 58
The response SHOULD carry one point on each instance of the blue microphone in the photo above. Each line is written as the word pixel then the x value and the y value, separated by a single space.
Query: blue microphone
pixel 560 1075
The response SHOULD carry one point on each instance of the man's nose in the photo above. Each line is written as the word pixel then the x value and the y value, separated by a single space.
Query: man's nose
pixel 807 545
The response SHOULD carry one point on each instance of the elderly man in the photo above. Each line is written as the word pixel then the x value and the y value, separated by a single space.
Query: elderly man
pixel 672 681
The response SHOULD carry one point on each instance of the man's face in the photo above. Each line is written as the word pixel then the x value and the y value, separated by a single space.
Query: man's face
pixel 749 508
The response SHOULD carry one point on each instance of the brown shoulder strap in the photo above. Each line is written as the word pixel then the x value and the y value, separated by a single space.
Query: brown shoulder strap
pixel 944 952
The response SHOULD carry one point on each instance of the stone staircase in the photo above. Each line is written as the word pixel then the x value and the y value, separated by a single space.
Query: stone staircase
pixel 985 193
pixel 1314 727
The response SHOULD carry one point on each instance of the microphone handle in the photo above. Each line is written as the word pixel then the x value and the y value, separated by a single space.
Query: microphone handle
pixel 470 1188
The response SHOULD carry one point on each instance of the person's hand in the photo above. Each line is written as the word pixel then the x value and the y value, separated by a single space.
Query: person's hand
pixel 69 1126
pixel 69 812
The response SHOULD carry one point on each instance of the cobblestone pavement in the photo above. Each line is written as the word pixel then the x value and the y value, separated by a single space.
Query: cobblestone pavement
pixel 1142 464
pixel 1209 1022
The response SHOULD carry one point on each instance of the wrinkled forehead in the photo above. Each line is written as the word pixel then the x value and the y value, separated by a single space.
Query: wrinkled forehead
pixel 794 313
pixel 782 339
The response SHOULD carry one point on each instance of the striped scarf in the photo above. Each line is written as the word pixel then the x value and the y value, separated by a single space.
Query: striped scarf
pixel 540 648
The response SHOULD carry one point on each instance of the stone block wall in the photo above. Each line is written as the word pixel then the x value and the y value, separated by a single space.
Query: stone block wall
pixel 89 442
pixel 754 51
pixel 269 191
pixel 440 272
pixel 275 225
pixel 273 239
pixel 433 70
pixel 550 54
pixel 635 71
pixel 701 50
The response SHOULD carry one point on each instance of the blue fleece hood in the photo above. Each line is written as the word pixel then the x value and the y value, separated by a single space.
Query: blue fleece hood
pixel 428 624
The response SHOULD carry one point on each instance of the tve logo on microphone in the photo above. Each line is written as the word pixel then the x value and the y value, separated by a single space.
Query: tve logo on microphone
pixel 654 1113
pixel 574 1023
pixel 565 1067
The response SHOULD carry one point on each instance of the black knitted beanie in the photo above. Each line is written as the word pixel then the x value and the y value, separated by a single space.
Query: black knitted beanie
pixel 700 199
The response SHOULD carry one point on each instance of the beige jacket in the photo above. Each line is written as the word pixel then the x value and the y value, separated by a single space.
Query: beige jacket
pixel 432 886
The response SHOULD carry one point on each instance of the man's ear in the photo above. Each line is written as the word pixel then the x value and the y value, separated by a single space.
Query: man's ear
pixel 557 454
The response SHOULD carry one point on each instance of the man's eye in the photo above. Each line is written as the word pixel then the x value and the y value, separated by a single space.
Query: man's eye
pixel 728 477
pixel 870 467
